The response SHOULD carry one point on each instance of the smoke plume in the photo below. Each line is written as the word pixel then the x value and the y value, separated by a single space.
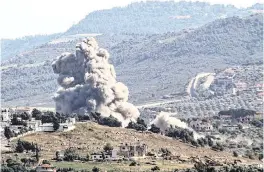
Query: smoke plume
pixel 88 84
pixel 164 121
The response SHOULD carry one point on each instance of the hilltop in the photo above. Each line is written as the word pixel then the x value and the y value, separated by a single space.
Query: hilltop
pixel 142 61
pixel 157 17
pixel 90 137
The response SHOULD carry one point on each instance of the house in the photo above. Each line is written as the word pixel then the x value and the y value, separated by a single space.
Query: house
pixel 110 155
pixel 16 128
pixel 33 124
pixel 48 127
pixel 246 119
pixel 229 127
pixel 45 168
pixel 226 118
pixel 129 150
pixel 6 114
pixel 201 125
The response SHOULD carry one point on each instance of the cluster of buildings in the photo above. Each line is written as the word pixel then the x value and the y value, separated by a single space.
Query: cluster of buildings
pixel 125 150
pixel 32 124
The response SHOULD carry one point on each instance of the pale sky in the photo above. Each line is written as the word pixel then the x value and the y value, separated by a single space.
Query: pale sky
pixel 29 17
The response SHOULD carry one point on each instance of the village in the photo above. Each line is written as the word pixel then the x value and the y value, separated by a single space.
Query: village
pixel 228 127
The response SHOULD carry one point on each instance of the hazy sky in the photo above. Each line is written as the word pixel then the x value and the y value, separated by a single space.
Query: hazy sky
pixel 28 17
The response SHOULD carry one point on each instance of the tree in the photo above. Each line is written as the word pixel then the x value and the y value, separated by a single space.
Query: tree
pixel 95 169
pixel 235 154
pixel 70 154
pixel 155 168
pixel 109 121
pixel 154 129
pixel 45 162
pixel 8 133
pixel 35 112
pixel 19 148
pixel 133 163
pixel 56 124
pixel 141 122
pixel 108 147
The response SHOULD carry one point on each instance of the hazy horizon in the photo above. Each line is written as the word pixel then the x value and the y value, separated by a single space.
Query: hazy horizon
pixel 31 17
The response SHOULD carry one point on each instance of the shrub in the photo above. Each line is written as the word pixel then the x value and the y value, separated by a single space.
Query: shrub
pixel 45 162
pixel 8 133
pixel 70 155
pixel 235 154
pixel 154 129
pixel 109 121
pixel 136 126
pixel 155 168
pixel 133 163
pixel 108 147
pixel 95 169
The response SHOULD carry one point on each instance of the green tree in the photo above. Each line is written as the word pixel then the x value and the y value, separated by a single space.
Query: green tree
pixel 56 124
pixel 35 112
pixel 45 162
pixel 95 169
pixel 108 147
pixel 70 154
pixel 155 168
pixel 8 133
pixel 235 154
pixel 154 129
pixel 19 148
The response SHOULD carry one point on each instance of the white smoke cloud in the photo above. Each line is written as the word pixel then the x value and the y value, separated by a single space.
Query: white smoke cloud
pixel 88 81
pixel 164 121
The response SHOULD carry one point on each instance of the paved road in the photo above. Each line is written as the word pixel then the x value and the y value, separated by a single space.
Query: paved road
pixel 157 103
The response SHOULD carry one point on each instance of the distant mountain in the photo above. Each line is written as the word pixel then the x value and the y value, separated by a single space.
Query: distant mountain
pixel 151 65
pixel 12 47
pixel 157 17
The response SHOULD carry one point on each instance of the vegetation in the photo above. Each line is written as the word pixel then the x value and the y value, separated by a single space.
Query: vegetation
pixel 236 113
pixel 25 145
pixel 140 125
pixel 70 154
pixel 108 121
pixel 154 129
pixel 108 147
pixel 8 133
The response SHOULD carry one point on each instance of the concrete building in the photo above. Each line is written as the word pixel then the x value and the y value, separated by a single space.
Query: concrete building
pixel 201 125
pixel 48 127
pixel 110 155
pixel 33 124
pixel 129 150
pixel 6 114
pixel 229 127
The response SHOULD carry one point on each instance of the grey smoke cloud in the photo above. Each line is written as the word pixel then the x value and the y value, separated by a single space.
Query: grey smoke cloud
pixel 164 120
pixel 88 83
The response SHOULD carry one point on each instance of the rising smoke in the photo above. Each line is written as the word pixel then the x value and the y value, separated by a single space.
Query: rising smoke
pixel 88 84
pixel 164 121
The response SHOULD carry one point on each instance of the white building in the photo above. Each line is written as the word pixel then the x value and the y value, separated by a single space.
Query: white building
pixel 132 150
pixel 229 127
pixel 48 127
pixel 111 155
pixel 200 125
pixel 6 114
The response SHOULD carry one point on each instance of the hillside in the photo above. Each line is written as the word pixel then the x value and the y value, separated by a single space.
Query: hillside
pixel 13 47
pixel 150 65
pixel 156 17
pixel 90 137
